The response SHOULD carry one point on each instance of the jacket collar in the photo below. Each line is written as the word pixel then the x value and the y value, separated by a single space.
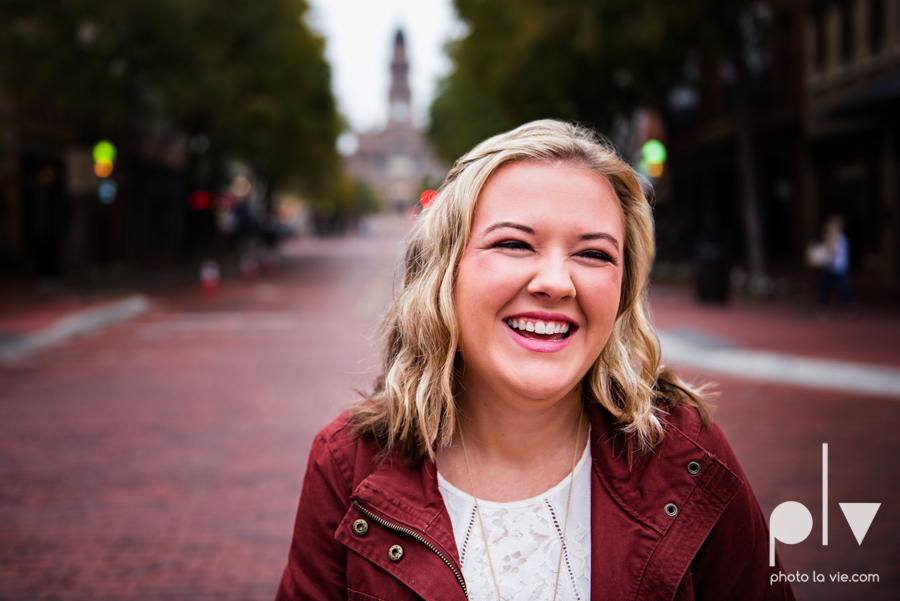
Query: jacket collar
pixel 652 513
pixel 643 485
pixel 409 496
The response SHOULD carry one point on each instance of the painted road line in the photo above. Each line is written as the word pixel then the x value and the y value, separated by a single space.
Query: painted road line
pixel 782 368
pixel 175 324
pixel 75 324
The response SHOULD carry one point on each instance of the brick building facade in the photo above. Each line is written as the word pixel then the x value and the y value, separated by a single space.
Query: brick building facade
pixel 396 161
pixel 825 96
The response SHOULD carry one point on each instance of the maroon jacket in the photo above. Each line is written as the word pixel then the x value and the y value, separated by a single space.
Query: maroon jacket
pixel 660 529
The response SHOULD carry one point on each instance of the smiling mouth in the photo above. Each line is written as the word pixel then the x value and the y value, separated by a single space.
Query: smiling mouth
pixel 535 329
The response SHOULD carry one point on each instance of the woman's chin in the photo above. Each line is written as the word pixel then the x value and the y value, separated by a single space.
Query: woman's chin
pixel 549 388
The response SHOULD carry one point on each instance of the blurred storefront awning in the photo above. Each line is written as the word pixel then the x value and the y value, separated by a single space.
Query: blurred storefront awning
pixel 882 97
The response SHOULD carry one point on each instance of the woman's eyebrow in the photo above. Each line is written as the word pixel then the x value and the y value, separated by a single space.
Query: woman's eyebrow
pixel 529 230
pixel 602 236
pixel 518 226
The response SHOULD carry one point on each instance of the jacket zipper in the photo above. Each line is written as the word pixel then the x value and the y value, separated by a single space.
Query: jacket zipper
pixel 416 536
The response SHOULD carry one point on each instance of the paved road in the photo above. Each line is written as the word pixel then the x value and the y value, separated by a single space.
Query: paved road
pixel 162 458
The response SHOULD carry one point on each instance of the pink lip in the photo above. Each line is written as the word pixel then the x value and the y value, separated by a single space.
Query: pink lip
pixel 541 346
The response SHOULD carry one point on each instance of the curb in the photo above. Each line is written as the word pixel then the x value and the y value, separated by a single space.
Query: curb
pixel 782 368
pixel 76 324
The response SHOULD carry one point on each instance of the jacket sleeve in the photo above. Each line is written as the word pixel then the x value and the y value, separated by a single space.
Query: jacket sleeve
pixel 317 563
pixel 733 563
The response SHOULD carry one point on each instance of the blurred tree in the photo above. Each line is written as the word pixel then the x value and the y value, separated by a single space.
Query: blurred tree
pixel 367 200
pixel 344 202
pixel 568 59
pixel 250 77
pixel 740 27
pixel 591 61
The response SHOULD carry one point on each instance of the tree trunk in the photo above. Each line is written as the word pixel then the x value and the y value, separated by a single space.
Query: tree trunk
pixel 746 159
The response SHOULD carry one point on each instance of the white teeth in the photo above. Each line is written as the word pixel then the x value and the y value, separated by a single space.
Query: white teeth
pixel 539 327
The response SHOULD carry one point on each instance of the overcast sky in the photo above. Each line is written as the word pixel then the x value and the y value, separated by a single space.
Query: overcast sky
pixel 359 38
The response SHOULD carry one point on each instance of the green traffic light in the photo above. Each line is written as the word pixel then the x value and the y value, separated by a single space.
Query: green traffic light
pixel 653 151
pixel 104 151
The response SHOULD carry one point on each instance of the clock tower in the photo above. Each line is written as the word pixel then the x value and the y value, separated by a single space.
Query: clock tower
pixel 396 161
pixel 399 98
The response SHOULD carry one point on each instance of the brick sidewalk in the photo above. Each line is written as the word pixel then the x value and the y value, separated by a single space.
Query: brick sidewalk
pixel 162 459
pixel 786 326
pixel 27 307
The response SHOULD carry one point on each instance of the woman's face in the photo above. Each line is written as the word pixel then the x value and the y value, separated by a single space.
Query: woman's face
pixel 539 282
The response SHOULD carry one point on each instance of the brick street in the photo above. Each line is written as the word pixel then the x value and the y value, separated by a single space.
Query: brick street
pixel 162 458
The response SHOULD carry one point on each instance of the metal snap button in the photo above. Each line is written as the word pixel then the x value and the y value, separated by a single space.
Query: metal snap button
pixel 395 553
pixel 671 510
pixel 693 468
pixel 360 527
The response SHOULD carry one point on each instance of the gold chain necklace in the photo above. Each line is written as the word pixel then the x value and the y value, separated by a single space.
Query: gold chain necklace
pixel 562 548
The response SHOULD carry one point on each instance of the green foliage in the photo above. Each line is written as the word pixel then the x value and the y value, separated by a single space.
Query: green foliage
pixel 249 75
pixel 354 198
pixel 580 60
pixel 346 199
pixel 367 200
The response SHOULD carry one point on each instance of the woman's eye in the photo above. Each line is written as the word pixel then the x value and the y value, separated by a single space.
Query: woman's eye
pixel 597 255
pixel 513 244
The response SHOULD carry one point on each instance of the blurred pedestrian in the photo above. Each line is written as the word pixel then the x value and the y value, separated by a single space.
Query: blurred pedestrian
pixel 523 440
pixel 835 265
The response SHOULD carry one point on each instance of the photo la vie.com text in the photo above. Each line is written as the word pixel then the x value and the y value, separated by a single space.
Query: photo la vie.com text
pixel 791 523
pixel 819 577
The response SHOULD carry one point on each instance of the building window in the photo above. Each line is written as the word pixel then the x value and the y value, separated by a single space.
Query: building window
pixel 845 14
pixel 820 41
pixel 786 46
pixel 876 26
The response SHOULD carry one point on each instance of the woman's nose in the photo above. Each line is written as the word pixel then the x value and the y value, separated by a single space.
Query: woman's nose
pixel 552 280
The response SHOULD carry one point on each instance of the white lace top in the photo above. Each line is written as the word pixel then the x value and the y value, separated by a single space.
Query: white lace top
pixel 525 539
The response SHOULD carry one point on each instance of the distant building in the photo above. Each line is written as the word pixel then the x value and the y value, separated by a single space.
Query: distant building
pixel 706 180
pixel 852 124
pixel 396 161
pixel 825 92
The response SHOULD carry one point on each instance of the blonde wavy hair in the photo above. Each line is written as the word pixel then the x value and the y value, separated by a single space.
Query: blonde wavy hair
pixel 412 402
